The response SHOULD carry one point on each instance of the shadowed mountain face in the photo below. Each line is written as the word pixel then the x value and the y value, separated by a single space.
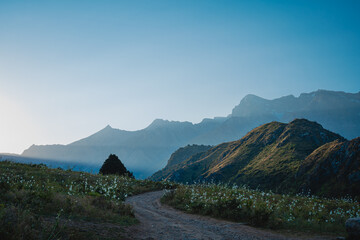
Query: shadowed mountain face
pixel 147 150
pixel 332 168
pixel 178 157
pixel 270 157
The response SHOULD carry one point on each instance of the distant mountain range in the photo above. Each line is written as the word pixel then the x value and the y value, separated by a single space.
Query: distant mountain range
pixel 300 156
pixel 146 151
pixel 66 165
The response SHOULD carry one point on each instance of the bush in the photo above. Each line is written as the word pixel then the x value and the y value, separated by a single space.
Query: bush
pixel 113 165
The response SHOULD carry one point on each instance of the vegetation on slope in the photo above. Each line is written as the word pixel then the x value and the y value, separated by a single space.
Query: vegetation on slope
pixel 41 203
pixel 332 168
pixel 177 158
pixel 268 157
pixel 265 209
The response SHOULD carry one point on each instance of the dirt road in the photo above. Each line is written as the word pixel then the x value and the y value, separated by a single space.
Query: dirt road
pixel 162 222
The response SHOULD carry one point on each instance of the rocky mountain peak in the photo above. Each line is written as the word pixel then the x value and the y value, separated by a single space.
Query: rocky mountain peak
pixel 158 123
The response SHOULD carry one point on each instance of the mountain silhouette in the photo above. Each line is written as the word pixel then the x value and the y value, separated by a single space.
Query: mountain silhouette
pixel 146 151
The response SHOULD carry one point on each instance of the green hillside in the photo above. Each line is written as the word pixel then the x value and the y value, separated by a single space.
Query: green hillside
pixel 37 202
pixel 268 157
pixel 332 169
pixel 178 157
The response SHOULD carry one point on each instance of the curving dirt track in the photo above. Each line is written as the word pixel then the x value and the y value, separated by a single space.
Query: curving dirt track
pixel 163 222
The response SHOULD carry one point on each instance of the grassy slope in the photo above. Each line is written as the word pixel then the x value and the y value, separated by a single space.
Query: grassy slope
pixel 268 157
pixel 177 158
pixel 265 209
pixel 333 167
pixel 42 203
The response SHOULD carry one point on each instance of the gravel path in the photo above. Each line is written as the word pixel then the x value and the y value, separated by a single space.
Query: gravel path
pixel 163 222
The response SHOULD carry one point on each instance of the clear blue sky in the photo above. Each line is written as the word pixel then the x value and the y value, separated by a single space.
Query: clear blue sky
pixel 69 68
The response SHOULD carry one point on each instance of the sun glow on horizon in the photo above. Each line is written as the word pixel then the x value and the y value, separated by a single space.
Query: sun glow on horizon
pixel 16 127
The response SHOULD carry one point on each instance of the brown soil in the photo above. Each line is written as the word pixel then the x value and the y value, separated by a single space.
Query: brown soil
pixel 159 221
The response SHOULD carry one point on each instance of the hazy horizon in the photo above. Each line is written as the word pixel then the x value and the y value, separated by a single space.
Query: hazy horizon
pixel 68 69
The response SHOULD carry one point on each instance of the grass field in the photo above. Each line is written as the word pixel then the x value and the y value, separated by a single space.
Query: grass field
pixel 37 202
pixel 265 209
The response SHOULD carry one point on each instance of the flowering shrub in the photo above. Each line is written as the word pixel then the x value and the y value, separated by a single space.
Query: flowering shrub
pixel 31 194
pixel 42 179
pixel 264 209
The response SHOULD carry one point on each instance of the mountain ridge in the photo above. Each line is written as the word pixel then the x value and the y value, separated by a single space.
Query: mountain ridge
pixel 147 150
pixel 279 157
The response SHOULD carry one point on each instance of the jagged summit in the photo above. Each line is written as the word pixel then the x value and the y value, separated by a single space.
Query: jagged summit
pixel 334 110
pixel 306 102
pixel 252 97
pixel 107 128
pixel 302 122
pixel 158 123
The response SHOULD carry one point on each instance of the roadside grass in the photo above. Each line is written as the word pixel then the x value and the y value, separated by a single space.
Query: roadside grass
pixel 36 201
pixel 264 209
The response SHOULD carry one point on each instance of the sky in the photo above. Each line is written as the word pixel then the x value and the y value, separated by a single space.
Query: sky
pixel 69 68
